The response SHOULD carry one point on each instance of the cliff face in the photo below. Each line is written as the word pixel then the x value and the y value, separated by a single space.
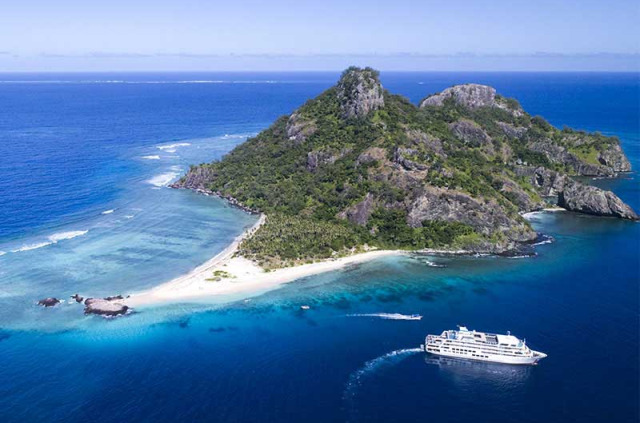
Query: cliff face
pixel 359 92
pixel 458 169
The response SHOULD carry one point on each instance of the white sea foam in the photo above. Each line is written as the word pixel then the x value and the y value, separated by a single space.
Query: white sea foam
pixel 52 239
pixel 108 211
pixel 2 253
pixel 163 180
pixel 30 247
pixel 238 136
pixel 154 157
pixel 128 216
pixel 66 235
pixel 546 241
pixel 389 316
pixel 171 148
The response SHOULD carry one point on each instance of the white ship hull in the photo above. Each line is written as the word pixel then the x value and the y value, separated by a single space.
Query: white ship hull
pixel 480 346
pixel 493 358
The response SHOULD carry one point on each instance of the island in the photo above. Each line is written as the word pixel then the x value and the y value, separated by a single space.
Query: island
pixel 358 173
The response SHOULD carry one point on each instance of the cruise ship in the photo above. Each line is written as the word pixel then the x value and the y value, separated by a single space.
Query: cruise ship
pixel 472 345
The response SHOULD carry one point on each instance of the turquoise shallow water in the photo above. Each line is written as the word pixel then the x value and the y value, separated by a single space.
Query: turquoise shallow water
pixel 265 359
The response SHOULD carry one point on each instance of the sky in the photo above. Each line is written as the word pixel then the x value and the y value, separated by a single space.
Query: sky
pixel 174 35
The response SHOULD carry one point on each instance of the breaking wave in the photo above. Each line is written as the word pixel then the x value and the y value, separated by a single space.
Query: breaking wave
pixel 53 239
pixel 153 157
pixel 66 235
pixel 108 211
pixel 171 148
pixel 163 179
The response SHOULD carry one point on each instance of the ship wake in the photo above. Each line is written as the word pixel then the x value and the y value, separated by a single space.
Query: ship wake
pixel 384 362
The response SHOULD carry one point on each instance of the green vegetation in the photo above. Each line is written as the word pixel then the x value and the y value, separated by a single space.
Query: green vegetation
pixel 311 186
pixel 286 240
pixel 218 275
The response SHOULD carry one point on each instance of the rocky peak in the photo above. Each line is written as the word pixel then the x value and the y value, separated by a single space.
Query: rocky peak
pixel 473 96
pixel 359 92
pixel 468 95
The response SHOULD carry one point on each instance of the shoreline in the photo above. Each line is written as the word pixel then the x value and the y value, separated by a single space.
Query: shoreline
pixel 241 275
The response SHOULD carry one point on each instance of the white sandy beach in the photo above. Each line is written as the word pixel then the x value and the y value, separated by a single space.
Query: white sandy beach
pixel 246 276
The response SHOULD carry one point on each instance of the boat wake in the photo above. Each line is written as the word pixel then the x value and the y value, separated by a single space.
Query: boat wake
pixel 389 316
pixel 359 377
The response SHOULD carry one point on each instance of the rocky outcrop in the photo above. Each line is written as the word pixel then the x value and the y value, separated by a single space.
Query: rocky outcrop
pixel 359 92
pixel 472 96
pixel 484 216
pixel 512 131
pixel 318 158
pixel 78 298
pixel 359 213
pixel 403 156
pixel 548 182
pixel 614 158
pixel 560 155
pixel 107 307
pixel 299 129
pixel 576 197
pixel 595 201
pixel 431 144
pixel 470 133
pixel 372 154
pixel 49 302
pixel 197 178
pixel 525 201
pixel 468 95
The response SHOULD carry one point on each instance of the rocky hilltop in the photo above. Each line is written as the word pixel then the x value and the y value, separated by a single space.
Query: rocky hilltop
pixel 358 166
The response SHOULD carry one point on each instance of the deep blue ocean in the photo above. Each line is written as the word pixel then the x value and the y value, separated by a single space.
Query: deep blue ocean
pixel 85 160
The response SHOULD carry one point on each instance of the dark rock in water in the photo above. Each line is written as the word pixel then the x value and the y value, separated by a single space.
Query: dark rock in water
pixel 4 335
pixel 212 330
pixel 184 324
pixel 49 302
pixel 78 298
pixel 115 297
pixel 105 307
pixel 595 201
